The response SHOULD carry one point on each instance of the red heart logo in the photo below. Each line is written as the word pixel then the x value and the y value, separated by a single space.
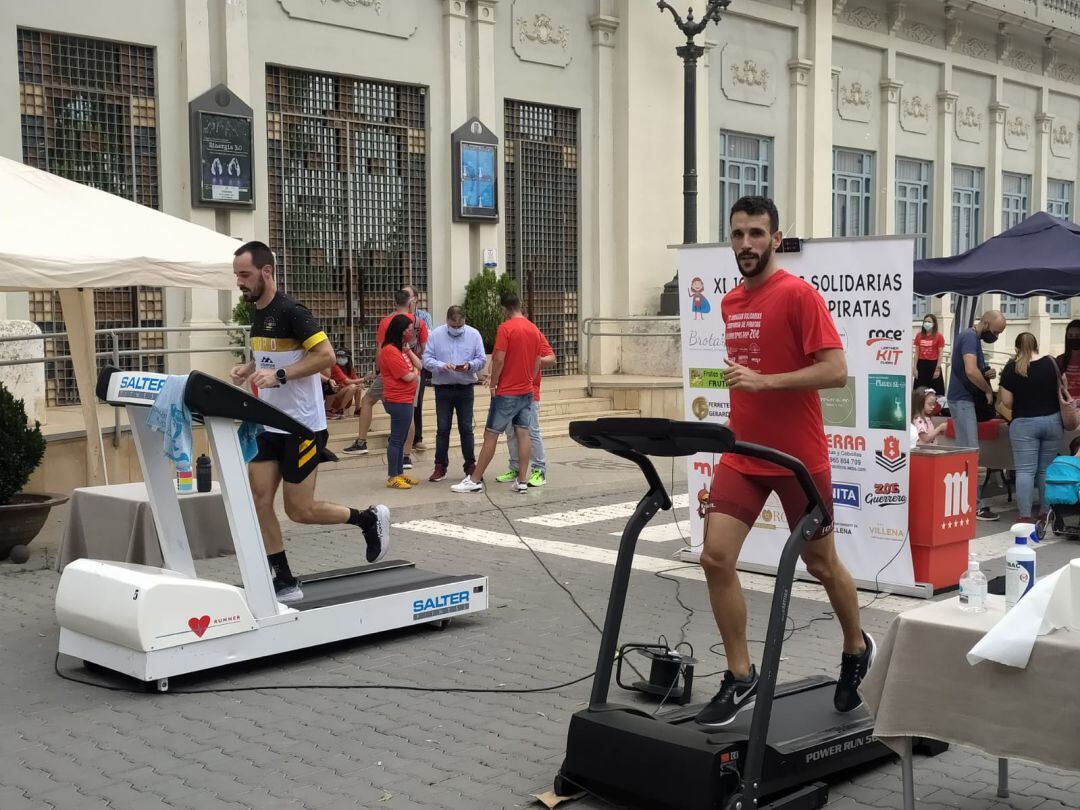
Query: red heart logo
pixel 198 626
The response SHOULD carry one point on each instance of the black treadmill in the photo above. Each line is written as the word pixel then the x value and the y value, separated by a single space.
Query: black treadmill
pixel 771 757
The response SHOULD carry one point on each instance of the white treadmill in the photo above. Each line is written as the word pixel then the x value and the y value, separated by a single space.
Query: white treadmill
pixel 153 623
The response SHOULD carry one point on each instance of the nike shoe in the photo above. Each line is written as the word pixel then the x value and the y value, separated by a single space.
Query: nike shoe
pixel 377 534
pixel 735 695
pixel 357 448
pixel 468 485
pixel 853 669
pixel 507 477
pixel 538 478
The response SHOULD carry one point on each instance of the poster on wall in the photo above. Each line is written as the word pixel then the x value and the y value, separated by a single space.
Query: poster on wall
pixel 867 286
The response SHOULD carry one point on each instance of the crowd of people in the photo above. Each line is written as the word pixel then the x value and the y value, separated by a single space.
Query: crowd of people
pixel 1033 392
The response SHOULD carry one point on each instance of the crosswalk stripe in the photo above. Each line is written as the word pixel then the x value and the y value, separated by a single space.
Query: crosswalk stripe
pixel 641 562
pixel 664 532
pixel 595 514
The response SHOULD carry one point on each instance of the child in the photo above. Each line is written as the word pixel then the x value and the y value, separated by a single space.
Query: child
pixel 923 402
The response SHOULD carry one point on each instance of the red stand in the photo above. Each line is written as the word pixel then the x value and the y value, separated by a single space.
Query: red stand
pixel 941 517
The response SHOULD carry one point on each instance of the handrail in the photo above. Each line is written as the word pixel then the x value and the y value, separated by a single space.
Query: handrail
pixel 587 330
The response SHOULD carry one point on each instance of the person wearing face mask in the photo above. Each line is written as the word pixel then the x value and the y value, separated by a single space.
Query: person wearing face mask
pixel 968 381
pixel 928 345
pixel 341 385
pixel 454 355
pixel 1069 362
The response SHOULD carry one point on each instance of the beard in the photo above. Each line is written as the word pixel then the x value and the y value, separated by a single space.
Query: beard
pixel 253 294
pixel 759 268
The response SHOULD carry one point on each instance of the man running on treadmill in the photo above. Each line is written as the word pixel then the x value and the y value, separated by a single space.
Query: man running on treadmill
pixel 782 347
pixel 290 349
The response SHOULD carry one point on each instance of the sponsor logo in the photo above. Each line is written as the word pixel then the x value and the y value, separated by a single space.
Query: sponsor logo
pixel 149 384
pixel 840 441
pixel 843 336
pixel 703 467
pixel 454 602
pixel 887 396
pixel 848 495
pixel 705 340
pixel 887 494
pixel 198 625
pixel 703 408
pixel 890 457
pixel 888 355
pixel 846 451
pixel 266 362
pixel 880 531
pixel 846 529
pixel 956 494
pixel 838 405
pixel 875 336
pixel 771 517
pixel 711 378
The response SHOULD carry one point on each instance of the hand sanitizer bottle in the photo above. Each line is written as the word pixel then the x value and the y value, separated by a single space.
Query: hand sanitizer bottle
pixel 973 587
pixel 1020 564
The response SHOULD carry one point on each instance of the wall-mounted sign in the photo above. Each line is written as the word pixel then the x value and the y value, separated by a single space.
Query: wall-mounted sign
pixel 476 173
pixel 221 151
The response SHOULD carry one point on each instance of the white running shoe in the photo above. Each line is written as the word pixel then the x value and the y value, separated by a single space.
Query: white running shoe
pixel 468 485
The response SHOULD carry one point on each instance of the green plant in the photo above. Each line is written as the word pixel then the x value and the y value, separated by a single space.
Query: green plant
pixel 24 446
pixel 482 308
pixel 243 313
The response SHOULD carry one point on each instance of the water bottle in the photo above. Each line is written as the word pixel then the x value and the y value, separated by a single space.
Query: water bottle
pixel 1020 564
pixel 973 587
pixel 203 473
pixel 184 482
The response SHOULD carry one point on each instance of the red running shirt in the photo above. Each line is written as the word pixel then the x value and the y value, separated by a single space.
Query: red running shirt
pixel 773 329
pixel 521 341
pixel 1072 378
pixel 929 346
pixel 394 364
pixel 545 351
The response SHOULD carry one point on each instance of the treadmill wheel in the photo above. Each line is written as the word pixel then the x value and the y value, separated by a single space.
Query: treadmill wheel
pixel 441 624
pixel 159 685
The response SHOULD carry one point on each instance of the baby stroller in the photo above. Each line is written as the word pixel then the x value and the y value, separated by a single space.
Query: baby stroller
pixel 1062 498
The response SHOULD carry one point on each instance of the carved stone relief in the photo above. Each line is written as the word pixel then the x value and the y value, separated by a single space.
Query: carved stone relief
pixel 1062 139
pixel 748 75
pixel 1018 129
pixel 921 33
pixel 854 96
pixel 975 47
pixel 377 16
pixel 865 18
pixel 541 32
pixel 970 123
pixel 1065 72
pixel 1022 60
pixel 916 107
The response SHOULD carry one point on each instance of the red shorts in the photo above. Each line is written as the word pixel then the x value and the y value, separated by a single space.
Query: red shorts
pixel 743 496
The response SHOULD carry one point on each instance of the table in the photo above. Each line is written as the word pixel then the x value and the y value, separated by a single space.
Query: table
pixel 921 685
pixel 115 523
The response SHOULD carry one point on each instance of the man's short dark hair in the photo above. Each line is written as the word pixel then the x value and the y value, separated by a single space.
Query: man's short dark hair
pixel 402 297
pixel 510 301
pixel 755 206
pixel 261 254
pixel 455 312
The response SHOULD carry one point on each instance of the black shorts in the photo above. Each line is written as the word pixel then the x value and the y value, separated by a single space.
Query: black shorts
pixel 296 457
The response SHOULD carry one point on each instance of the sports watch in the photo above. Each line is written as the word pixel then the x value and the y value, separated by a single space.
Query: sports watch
pixel 281 378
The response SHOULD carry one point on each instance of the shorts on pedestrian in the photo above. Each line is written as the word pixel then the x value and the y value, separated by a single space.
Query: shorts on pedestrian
pixel 375 390
pixel 513 410
pixel 743 496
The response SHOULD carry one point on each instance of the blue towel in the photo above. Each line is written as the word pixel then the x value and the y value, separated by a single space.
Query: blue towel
pixel 170 415
pixel 248 432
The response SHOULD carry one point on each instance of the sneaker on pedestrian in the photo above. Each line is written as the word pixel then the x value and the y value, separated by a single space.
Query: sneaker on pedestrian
pixel 469 467
pixel 412 482
pixel 286 593
pixel 507 477
pixel 519 486
pixel 438 474
pixel 735 695
pixel 538 478
pixel 468 485
pixel 377 533
pixel 986 513
pixel 406 463
pixel 334 415
pixel 418 444
pixel 357 448
pixel 853 668
pixel 398 482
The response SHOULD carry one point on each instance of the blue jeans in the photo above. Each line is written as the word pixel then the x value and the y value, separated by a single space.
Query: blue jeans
pixel 448 400
pixel 507 410
pixel 539 458
pixel 400 419
pixel 1035 443
pixel 967 429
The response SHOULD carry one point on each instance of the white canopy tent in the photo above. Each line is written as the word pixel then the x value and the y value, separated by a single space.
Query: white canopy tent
pixel 56 234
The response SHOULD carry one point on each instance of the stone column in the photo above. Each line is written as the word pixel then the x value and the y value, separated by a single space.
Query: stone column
pixel 992 204
pixel 799 167
pixel 941 229
pixel 445 288
pixel 1044 127
pixel 819 192
pixel 488 108
pixel 886 164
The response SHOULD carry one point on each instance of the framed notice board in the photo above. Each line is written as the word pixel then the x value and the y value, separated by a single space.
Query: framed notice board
pixel 221 135
pixel 475 151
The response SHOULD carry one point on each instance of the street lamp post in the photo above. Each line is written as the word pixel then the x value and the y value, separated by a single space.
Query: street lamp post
pixel 690 53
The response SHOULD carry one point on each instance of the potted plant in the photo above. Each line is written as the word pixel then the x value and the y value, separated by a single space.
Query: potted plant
pixel 22 514
pixel 483 311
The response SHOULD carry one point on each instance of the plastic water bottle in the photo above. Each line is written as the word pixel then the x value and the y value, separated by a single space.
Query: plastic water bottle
pixel 184 480
pixel 203 474
pixel 1020 564
pixel 973 587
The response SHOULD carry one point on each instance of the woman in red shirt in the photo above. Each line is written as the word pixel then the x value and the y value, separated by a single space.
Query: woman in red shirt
pixel 1069 363
pixel 928 345
pixel 341 386
pixel 400 368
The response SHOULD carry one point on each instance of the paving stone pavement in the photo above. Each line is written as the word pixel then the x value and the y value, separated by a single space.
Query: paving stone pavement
pixel 67 745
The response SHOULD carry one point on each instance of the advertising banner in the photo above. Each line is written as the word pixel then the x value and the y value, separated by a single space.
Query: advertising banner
pixel 867 286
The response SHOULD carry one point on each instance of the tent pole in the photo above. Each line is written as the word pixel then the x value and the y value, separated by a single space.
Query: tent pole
pixel 78 309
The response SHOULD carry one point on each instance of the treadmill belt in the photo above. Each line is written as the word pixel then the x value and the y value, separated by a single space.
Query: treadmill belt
pixel 322 590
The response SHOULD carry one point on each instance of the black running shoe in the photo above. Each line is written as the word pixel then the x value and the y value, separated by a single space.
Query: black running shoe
pixel 377 534
pixel 735 695
pixel 853 669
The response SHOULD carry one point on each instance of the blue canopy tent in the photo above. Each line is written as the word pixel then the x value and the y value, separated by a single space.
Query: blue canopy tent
pixel 1040 256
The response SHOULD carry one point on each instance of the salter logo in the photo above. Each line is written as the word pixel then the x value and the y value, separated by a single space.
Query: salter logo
pixel 956 494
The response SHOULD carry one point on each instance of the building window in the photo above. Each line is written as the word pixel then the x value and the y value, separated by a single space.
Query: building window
pixel 967 185
pixel 1060 308
pixel 89 113
pixel 913 202
pixel 1015 199
pixel 744 170
pixel 852 195
pixel 920 305
pixel 1014 308
pixel 1059 196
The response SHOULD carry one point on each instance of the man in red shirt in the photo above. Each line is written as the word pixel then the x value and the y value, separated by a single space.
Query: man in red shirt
pixel 515 362
pixel 782 347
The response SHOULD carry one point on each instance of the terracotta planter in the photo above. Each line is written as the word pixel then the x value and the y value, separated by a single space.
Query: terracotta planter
pixel 22 519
